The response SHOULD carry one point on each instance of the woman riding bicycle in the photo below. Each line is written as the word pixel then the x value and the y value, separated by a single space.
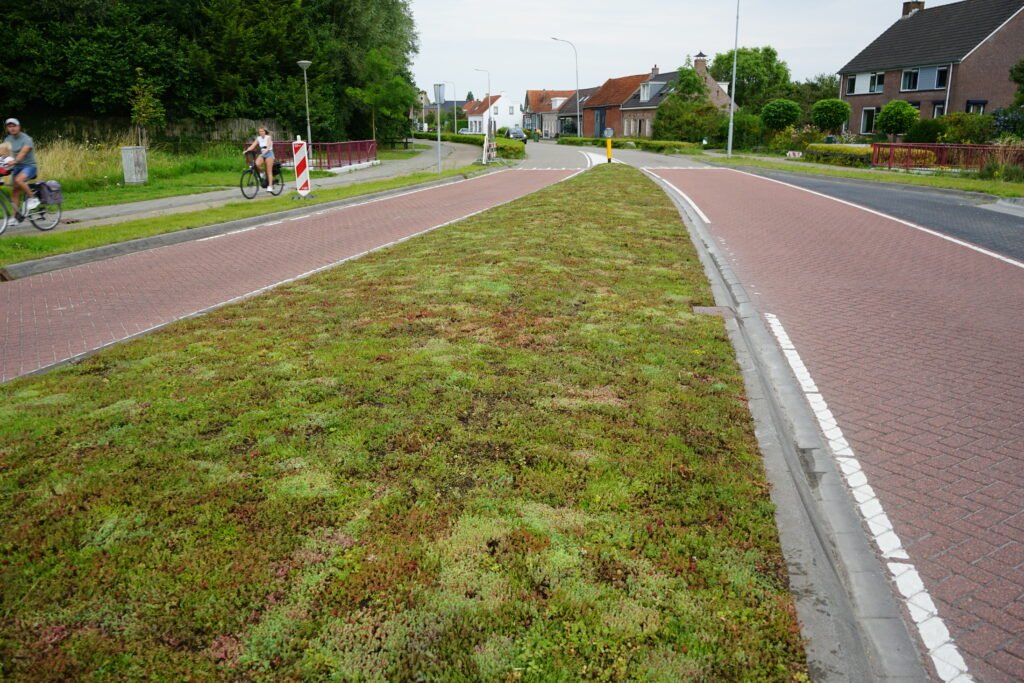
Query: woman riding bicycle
pixel 265 159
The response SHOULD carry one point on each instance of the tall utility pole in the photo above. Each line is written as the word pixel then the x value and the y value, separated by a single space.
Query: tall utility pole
pixel 305 64
pixel 732 88
pixel 438 98
pixel 579 126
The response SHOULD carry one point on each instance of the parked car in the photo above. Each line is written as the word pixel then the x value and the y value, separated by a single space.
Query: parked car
pixel 516 134
pixel 465 131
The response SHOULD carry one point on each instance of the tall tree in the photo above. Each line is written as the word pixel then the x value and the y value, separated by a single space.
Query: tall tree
pixel 760 75
pixel 387 94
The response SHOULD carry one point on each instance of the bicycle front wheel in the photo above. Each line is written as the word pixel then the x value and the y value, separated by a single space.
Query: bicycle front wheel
pixel 249 184
pixel 45 216
pixel 278 187
pixel 5 214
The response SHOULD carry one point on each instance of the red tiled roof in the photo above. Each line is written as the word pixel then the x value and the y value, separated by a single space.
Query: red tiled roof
pixel 480 107
pixel 539 101
pixel 615 91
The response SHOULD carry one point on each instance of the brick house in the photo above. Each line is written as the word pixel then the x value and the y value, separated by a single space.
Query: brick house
pixel 540 111
pixel 640 110
pixel 951 58
pixel 567 113
pixel 603 109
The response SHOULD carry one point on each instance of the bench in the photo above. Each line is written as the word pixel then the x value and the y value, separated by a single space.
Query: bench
pixel 393 144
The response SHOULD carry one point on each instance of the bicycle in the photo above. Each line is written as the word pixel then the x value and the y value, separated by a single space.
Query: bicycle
pixel 252 180
pixel 45 216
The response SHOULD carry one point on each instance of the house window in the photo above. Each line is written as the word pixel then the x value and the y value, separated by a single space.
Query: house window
pixel 495 110
pixel 909 80
pixel 645 92
pixel 941 77
pixel 511 110
pixel 976 106
pixel 877 82
pixel 851 85
pixel 867 121
pixel 938 109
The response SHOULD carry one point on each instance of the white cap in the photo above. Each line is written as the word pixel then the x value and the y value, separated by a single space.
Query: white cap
pixel 12 120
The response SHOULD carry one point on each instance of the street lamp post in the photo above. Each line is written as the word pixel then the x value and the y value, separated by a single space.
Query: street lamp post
pixel 305 64
pixel 579 127
pixel 732 88
pixel 438 98
pixel 487 135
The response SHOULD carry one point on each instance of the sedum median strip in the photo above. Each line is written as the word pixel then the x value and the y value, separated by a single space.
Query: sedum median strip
pixel 505 450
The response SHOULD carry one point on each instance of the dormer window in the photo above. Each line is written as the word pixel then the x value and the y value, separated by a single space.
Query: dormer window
pixel 645 92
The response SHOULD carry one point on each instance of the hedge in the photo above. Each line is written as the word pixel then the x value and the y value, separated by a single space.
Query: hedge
pixel 507 149
pixel 660 146
pixel 838 155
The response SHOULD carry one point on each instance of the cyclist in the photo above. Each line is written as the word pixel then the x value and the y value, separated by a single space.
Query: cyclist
pixel 265 160
pixel 25 168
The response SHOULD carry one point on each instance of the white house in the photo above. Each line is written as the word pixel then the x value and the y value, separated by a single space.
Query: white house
pixel 498 108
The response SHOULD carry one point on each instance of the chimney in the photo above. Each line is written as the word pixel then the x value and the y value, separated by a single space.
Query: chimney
pixel 910 7
pixel 655 72
pixel 700 63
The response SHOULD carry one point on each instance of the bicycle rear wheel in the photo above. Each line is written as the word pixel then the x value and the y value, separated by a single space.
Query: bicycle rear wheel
pixel 5 215
pixel 45 216
pixel 249 184
pixel 278 186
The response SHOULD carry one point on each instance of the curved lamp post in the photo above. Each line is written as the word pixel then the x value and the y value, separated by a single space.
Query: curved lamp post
pixel 579 126
pixel 305 64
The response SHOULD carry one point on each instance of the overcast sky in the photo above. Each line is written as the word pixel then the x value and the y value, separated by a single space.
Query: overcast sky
pixel 623 37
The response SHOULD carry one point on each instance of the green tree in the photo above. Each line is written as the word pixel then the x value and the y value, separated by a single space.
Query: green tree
pixel 689 85
pixel 1017 76
pixel 387 94
pixel 687 120
pixel 820 87
pixel 779 114
pixel 469 96
pixel 963 128
pixel 760 75
pixel 147 110
pixel 896 118
pixel 830 115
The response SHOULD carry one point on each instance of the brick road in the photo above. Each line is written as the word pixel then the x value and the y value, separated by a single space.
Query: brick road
pixel 918 346
pixel 56 316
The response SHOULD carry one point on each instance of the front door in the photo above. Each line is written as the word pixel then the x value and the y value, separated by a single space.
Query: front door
pixel 598 123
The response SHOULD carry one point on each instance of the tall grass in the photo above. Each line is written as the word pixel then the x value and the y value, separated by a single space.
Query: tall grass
pixel 83 166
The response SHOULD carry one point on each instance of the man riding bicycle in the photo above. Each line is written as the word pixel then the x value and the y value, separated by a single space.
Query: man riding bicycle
pixel 25 168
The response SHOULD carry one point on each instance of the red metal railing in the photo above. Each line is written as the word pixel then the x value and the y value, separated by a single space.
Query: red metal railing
pixel 922 155
pixel 325 155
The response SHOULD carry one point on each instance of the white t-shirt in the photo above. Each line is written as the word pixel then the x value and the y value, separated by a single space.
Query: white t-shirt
pixel 264 141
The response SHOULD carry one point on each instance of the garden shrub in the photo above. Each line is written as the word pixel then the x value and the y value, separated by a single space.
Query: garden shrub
pixel 830 115
pixel 780 114
pixel 1009 121
pixel 897 117
pixel 925 131
pixel 962 128
pixel 839 155
pixel 659 146
pixel 995 170
pixel 747 130
pixel 507 149
pixel 795 139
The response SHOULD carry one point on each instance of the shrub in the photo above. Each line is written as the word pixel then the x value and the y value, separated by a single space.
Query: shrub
pixel 994 170
pixel 688 121
pixel 839 155
pixel 925 130
pixel 830 115
pixel 507 149
pixel 747 130
pixel 659 146
pixel 780 114
pixel 795 138
pixel 1009 121
pixel 961 128
pixel 897 117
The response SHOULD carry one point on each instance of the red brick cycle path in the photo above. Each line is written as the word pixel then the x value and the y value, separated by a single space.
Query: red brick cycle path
pixel 49 318
pixel 917 344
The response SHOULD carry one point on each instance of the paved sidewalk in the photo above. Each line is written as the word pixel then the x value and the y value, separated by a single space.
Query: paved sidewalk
pixel 53 317
pixel 453 156
pixel 915 342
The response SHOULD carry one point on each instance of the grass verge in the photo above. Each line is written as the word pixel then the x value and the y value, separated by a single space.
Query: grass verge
pixel 947 182
pixel 15 249
pixel 505 450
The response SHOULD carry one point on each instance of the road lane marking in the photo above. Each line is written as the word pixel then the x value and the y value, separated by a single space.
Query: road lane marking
pixel 686 197
pixel 945 655
pixel 915 226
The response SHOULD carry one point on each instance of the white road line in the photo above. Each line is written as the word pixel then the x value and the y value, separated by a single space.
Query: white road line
pixel 693 204
pixel 915 226
pixel 948 661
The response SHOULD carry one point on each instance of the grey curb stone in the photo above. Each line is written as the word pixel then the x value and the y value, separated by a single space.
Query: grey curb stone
pixel 61 261
pixel 849 615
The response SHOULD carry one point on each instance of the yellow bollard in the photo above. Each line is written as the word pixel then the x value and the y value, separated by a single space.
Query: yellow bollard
pixel 609 143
